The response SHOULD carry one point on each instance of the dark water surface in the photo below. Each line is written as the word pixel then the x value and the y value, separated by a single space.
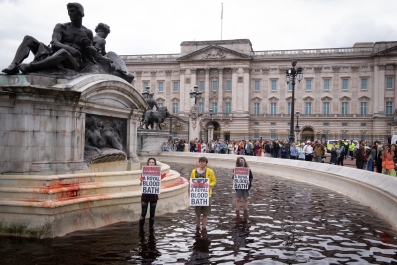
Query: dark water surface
pixel 288 222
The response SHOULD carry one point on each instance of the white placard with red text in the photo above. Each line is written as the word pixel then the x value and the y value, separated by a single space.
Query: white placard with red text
pixel 241 178
pixel 199 192
pixel 152 182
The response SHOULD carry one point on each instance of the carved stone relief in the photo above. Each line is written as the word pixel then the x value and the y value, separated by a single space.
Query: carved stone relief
pixel 214 54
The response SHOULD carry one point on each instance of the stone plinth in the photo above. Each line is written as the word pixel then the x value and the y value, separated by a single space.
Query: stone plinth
pixel 150 142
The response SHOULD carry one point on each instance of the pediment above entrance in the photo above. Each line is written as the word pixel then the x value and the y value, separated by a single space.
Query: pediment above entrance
pixel 215 52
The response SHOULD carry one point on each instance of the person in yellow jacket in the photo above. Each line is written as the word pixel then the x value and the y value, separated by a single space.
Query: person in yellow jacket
pixel 203 172
pixel 352 146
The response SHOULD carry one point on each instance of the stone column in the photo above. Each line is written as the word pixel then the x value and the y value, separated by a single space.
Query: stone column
pixel 220 92
pixel 380 87
pixel 168 91
pixel 265 89
pixel 246 89
pixel 336 90
pixel 138 81
pixel 240 102
pixel 210 134
pixel 182 91
pixel 234 89
pixel 193 82
pixel 132 126
pixel 317 87
pixel 207 90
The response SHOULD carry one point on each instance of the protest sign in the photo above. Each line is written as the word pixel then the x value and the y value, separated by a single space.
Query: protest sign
pixel 241 178
pixel 199 192
pixel 152 182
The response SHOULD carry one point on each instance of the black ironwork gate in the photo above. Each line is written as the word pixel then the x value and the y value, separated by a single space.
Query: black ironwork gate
pixel 177 126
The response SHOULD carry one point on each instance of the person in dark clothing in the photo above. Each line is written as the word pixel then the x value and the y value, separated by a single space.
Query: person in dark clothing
pixel 334 155
pixel 146 199
pixel 276 147
pixel 362 161
pixel 284 151
pixel 240 162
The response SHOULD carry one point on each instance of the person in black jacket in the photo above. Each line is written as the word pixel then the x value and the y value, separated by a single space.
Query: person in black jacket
pixel 240 162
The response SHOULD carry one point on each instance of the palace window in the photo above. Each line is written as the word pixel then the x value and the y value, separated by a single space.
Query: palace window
pixel 363 124
pixel 274 85
pixel 345 68
pixel 201 85
pixel 214 85
pixel 326 124
pixel 132 83
pixel 256 123
pixel 389 66
pixel 256 134
pixel 345 83
pixel 175 86
pixel 256 85
pixel 273 135
pixel 389 82
pixel 214 107
pixel 363 136
pixel 175 134
pixel 201 107
pixel 145 73
pixel 326 108
pixel 345 107
pixel 256 108
pixel 308 108
pixel 363 107
pixel 344 124
pixel 308 84
pixel 161 87
pixel 289 108
pixel 228 107
pixel 326 84
pixel 364 83
pixel 257 70
pixel 160 105
pixel 273 109
pixel 364 68
pixel 176 72
pixel 274 70
pixel 273 124
pixel 145 84
pixel 175 108
pixel 389 107
pixel 344 135
pixel 290 86
pixel 308 69
pixel 327 68
pixel 228 85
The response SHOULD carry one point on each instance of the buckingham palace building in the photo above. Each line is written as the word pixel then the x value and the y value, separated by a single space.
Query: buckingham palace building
pixel 345 93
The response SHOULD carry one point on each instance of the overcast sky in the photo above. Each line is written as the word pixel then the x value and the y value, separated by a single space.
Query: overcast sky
pixel 145 27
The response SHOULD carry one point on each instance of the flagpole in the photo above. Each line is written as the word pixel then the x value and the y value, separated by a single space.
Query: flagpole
pixel 221 21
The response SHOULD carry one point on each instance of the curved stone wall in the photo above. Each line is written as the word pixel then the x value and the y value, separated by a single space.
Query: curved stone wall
pixel 372 189
pixel 48 206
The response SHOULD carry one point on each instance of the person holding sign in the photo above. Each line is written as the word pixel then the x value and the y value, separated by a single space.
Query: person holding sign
pixel 151 187
pixel 204 173
pixel 242 181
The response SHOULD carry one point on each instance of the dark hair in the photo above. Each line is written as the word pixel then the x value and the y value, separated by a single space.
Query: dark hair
pixel 78 6
pixel 203 159
pixel 238 161
pixel 151 158
pixel 103 27
pixel 361 141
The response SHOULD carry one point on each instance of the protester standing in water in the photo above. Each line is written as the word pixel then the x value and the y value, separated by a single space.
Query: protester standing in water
pixel 240 162
pixel 203 172
pixel 146 199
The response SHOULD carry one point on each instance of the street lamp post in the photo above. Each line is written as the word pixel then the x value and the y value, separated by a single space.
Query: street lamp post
pixel 211 129
pixel 297 129
pixel 290 75
pixel 195 94
pixel 145 93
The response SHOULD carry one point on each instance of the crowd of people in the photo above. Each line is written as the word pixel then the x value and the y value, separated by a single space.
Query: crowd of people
pixel 377 157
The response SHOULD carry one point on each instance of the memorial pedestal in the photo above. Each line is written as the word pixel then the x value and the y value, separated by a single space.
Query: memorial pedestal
pixel 150 142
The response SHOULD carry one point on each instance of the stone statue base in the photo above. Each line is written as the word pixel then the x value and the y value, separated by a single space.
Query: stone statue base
pixel 150 142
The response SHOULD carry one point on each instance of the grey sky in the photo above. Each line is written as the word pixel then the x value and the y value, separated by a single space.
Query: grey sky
pixel 142 27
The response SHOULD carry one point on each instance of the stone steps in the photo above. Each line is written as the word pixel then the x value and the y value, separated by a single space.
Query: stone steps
pixel 75 190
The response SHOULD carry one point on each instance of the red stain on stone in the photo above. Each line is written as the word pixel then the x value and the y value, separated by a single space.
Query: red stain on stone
pixel 181 181
pixel 75 223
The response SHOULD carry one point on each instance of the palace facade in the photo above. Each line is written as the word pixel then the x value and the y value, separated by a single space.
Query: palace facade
pixel 347 93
